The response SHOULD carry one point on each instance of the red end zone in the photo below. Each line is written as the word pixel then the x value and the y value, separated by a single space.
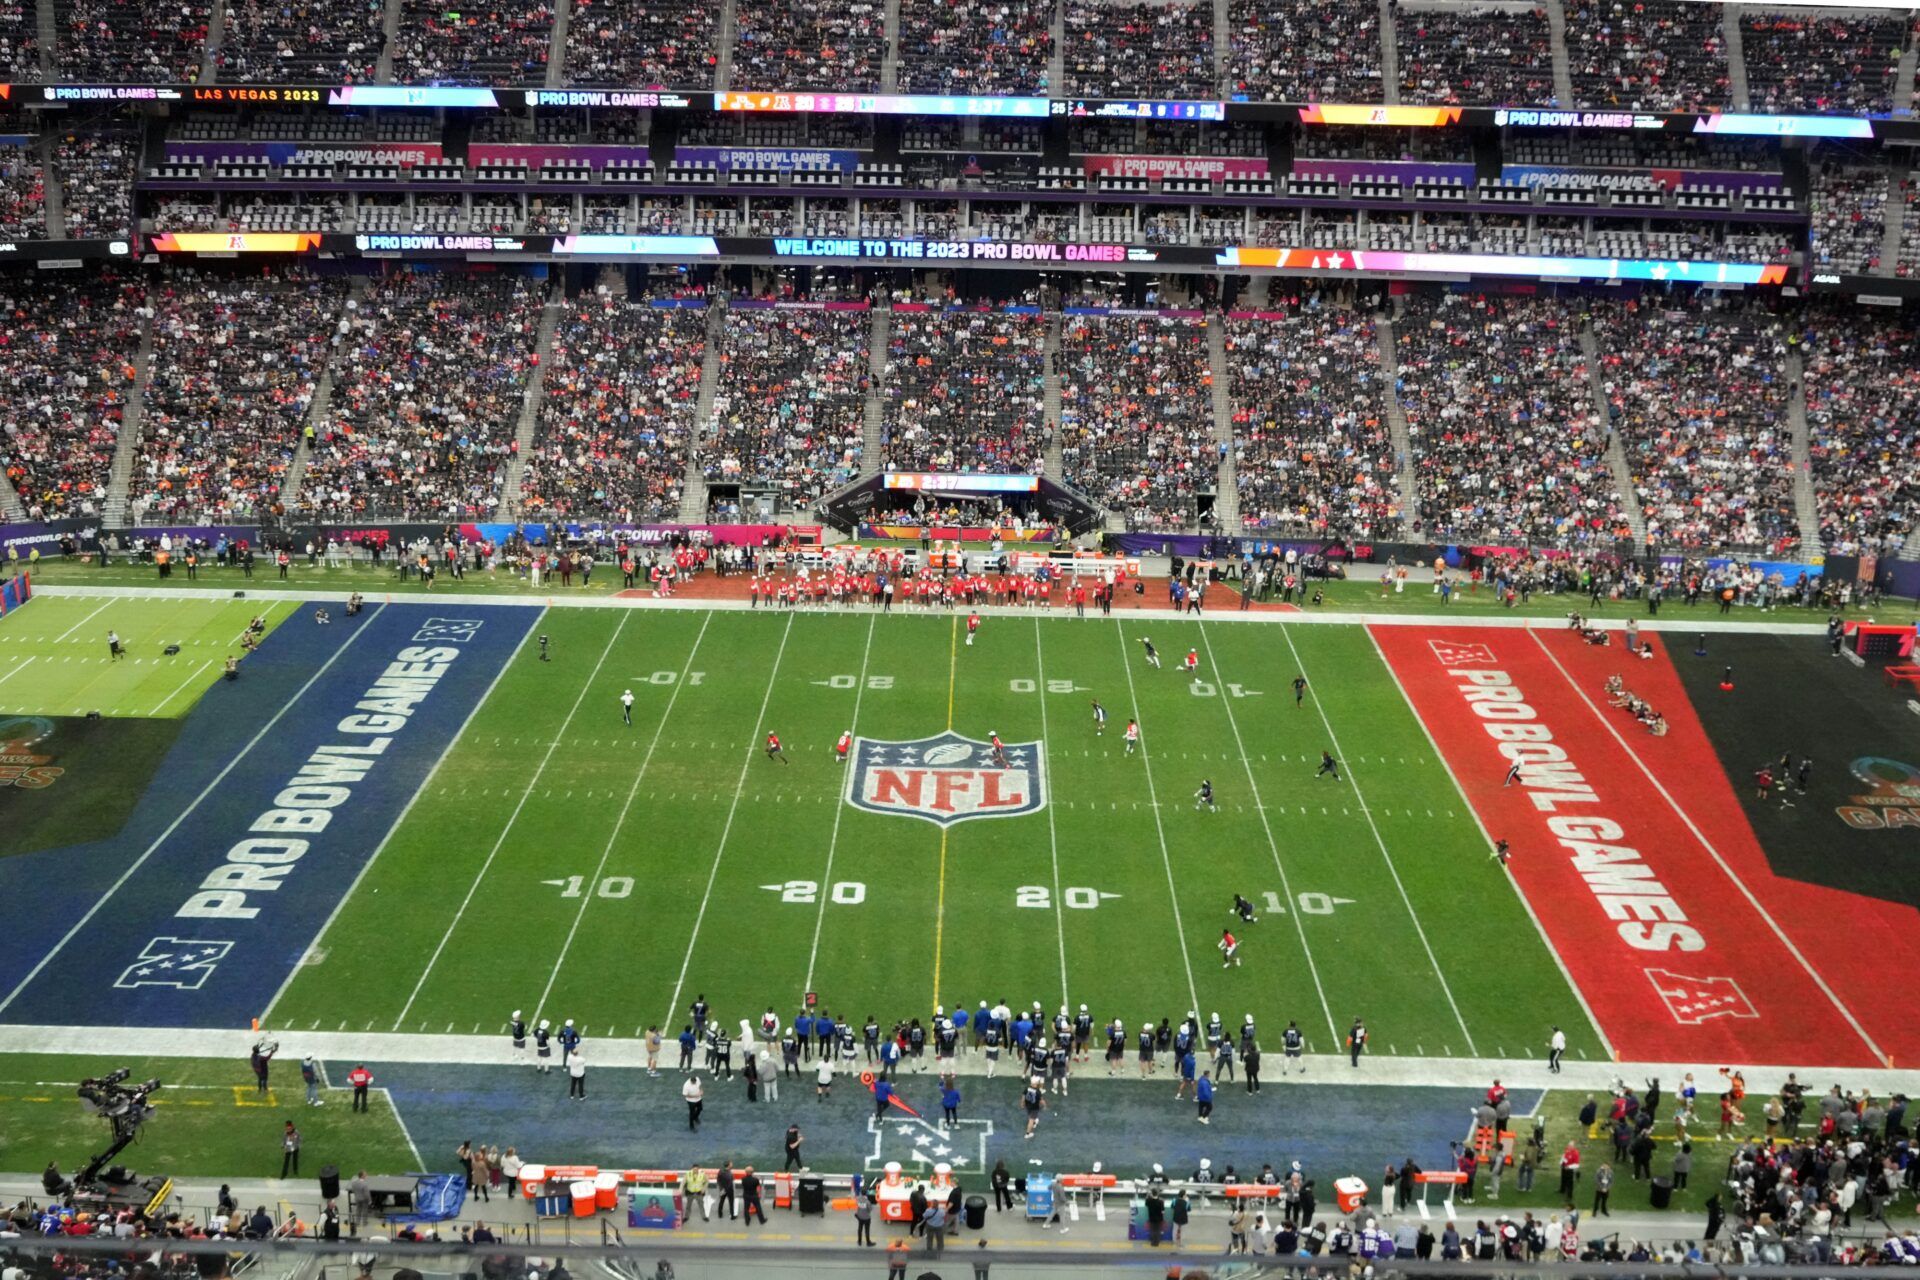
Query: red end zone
pixel 1675 961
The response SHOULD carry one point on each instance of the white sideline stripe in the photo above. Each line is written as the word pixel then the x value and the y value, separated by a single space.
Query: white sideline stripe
pixel 1053 837
pixel 631 1051
pixel 1231 618
pixel 181 687
pixel 1259 806
pixel 185 813
pixel 1486 835
pixel 17 670
pixel 1153 799
pixel 425 784
pixel 83 622
pixel 512 818
pixel 833 841
pixel 1714 853
pixel 591 889
pixel 404 1131
pixel 739 789
pixel 1385 853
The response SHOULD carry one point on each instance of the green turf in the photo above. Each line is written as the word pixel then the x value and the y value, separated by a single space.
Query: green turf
pixel 54 660
pixel 705 868
pixel 209 1121
pixel 1360 595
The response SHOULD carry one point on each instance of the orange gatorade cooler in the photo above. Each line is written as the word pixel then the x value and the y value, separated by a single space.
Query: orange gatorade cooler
pixel 606 1191
pixel 1349 1194
pixel 584 1198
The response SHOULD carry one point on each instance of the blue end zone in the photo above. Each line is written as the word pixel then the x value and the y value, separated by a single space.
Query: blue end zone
pixel 222 906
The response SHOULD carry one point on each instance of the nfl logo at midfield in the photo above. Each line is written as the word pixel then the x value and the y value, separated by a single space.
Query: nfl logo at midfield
pixel 946 778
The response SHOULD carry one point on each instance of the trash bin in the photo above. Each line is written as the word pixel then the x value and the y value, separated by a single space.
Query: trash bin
pixel 976 1207
pixel 812 1193
pixel 1660 1194
pixel 329 1182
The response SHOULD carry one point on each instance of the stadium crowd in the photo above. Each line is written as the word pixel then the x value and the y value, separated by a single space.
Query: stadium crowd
pixel 116 41
pixel 1485 379
pixel 1136 416
pixel 974 46
pixel 1494 56
pixel 429 383
pixel 1648 55
pixel 96 179
pixel 965 391
pixel 1327 51
pixel 23 191
pixel 504 44
pixel 302 41
pixel 1115 48
pixel 790 407
pixel 642 42
pixel 618 412
pixel 1862 379
pixel 1848 225
pixel 810 44
pixel 1799 61
pixel 1313 453
pixel 1697 391
pixel 67 357
pixel 231 375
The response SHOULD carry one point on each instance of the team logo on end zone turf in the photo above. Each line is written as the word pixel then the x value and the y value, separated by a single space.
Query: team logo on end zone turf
pixel 1693 1001
pixel 946 778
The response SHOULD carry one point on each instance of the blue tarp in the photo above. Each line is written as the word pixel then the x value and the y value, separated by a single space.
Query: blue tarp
pixel 436 1197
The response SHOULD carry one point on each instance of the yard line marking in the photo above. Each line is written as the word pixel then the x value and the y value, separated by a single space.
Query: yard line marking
pixel 1486 835
pixel 183 684
pixel 1385 854
pixel 83 622
pixel 1053 838
pixel 182 816
pixel 1273 845
pixel 1712 852
pixel 17 670
pixel 940 903
pixel 380 848
pixel 739 789
pixel 512 818
pixel 1153 799
pixel 833 840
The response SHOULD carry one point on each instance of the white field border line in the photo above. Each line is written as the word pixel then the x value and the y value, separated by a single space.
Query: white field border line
pixel 1231 617
pixel 178 689
pixel 83 622
pixel 620 824
pixel 1153 800
pixel 1385 854
pixel 1719 861
pixel 404 1131
pixel 1486 835
pixel 739 789
pixel 19 668
pixel 185 813
pixel 1053 838
pixel 426 784
pixel 512 818
pixel 833 841
pixel 622 1052
pixel 1259 806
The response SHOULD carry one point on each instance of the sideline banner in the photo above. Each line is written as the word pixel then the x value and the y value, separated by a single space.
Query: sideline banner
pixel 958 533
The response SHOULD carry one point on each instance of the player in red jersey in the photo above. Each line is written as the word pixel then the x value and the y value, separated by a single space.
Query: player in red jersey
pixel 999 748
pixel 773 748
pixel 1229 949
pixel 973 625
pixel 1192 662
pixel 843 746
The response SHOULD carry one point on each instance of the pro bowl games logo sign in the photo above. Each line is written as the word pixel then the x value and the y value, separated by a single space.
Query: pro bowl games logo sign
pixel 946 778
pixel 1891 798
pixel 20 764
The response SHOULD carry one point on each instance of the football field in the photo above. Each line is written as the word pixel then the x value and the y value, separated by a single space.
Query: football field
pixel 573 866
pixel 424 819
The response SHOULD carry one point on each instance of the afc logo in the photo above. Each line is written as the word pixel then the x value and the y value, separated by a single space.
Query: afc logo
pixel 184 964
pixel 1693 1001
pixel 946 778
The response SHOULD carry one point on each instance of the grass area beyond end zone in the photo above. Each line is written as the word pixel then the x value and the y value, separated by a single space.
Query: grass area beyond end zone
pixel 54 659
pixel 209 1120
